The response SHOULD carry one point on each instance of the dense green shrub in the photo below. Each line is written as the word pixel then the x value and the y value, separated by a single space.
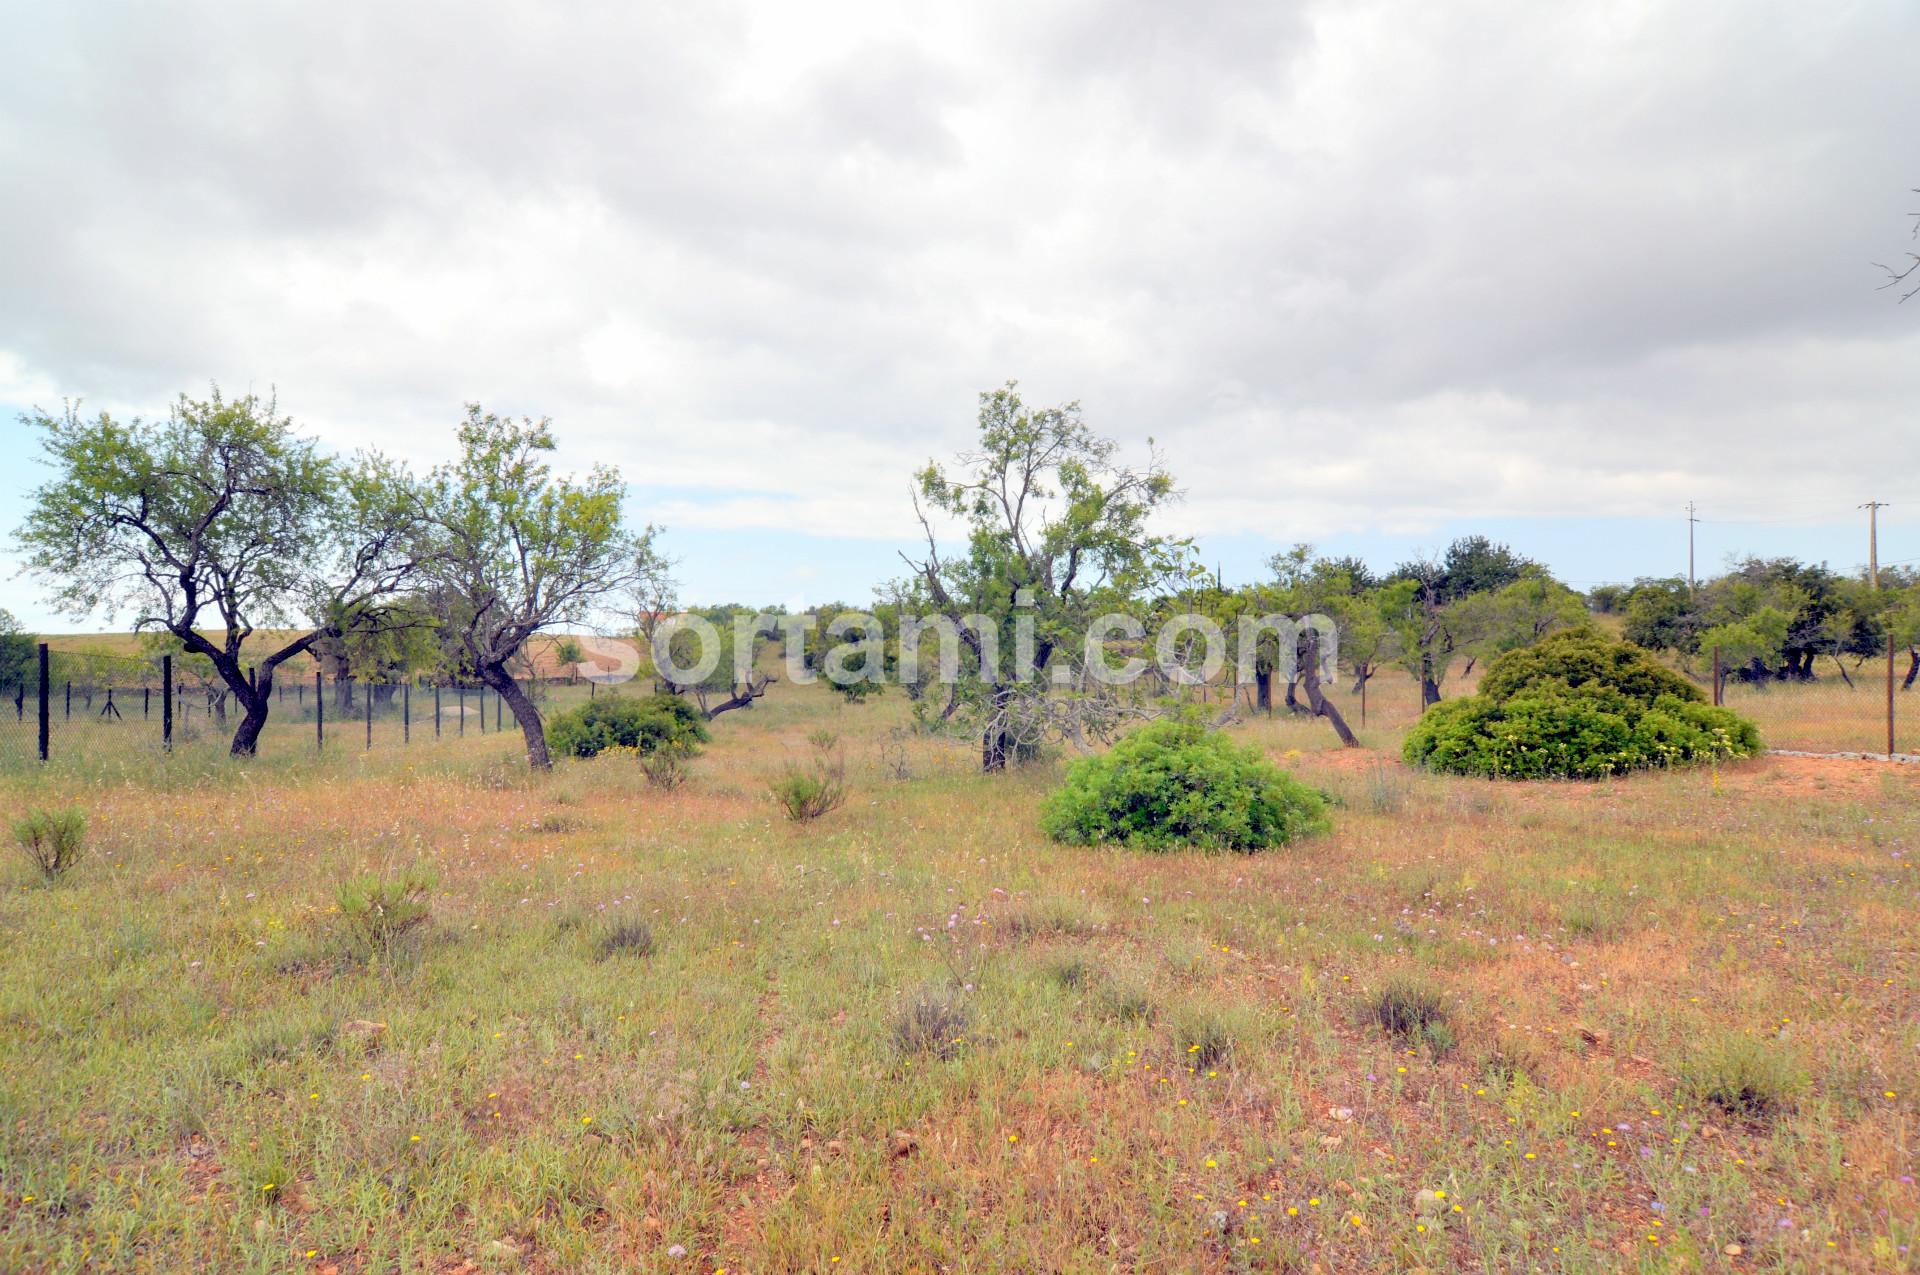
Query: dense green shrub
pixel 645 725
pixel 1577 705
pixel 1177 783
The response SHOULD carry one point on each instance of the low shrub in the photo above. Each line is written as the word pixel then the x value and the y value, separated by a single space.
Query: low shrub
pixel 1176 783
pixel 625 938
pixel 665 769
pixel 384 915
pixel 644 725
pixel 1577 705
pixel 52 840
pixel 806 793
pixel 934 1023
pixel 1750 1077
pixel 1414 1012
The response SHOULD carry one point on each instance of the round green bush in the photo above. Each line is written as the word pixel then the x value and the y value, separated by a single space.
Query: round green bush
pixel 645 725
pixel 1177 783
pixel 1577 705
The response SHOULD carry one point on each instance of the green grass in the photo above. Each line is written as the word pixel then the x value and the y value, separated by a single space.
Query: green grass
pixel 916 1034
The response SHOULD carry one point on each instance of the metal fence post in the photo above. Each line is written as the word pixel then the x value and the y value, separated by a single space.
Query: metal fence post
pixel 369 699
pixel 319 712
pixel 406 712
pixel 46 721
pixel 166 702
pixel 463 708
pixel 69 708
pixel 146 702
pixel 1719 681
pixel 496 710
pixel 1890 740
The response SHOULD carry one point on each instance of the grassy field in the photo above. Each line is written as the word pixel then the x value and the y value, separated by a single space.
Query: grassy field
pixel 671 1031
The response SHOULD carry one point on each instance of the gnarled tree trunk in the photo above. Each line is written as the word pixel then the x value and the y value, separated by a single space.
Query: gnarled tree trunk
pixel 524 712
pixel 1322 706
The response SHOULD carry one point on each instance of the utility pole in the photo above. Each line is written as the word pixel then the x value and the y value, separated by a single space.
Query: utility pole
pixel 1690 521
pixel 1873 508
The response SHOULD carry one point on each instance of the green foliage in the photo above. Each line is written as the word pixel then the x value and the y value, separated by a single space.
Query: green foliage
pixel 1414 1012
pixel 52 840
pixel 807 794
pixel 1577 705
pixel 1057 533
pixel 17 654
pixel 1177 783
pixel 1747 1076
pixel 625 938
pixel 1584 656
pixel 818 789
pixel 384 914
pixel 933 1023
pixel 511 550
pixel 649 725
pixel 220 513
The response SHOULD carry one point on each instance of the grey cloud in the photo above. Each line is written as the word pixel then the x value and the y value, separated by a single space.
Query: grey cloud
pixel 1444 260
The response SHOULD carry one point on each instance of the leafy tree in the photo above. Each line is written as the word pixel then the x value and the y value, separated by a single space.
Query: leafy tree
pixel 1054 524
pixel 567 653
pixel 1471 564
pixel 17 654
pixel 1413 606
pixel 220 516
pixel 380 649
pixel 516 551
pixel 1520 614
pixel 1659 614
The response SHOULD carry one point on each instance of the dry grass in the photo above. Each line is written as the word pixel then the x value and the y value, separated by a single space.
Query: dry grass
pixel 1167 1063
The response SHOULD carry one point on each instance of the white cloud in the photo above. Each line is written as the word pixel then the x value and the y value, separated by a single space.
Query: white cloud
pixel 1358 267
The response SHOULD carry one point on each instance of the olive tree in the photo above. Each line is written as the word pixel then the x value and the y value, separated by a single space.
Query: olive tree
pixel 514 550
pixel 222 527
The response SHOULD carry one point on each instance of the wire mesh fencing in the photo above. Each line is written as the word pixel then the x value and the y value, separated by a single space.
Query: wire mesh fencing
pixel 1842 704
pixel 69 703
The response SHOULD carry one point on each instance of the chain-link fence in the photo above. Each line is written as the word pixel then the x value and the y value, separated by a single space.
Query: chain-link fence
pixel 1844 704
pixel 74 702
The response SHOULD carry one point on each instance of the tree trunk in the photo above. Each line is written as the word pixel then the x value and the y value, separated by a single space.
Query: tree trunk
pixel 1429 692
pixel 1913 667
pixel 502 683
pixel 1843 672
pixel 996 742
pixel 1322 706
pixel 246 740
pixel 1263 689
pixel 1293 700
pixel 742 696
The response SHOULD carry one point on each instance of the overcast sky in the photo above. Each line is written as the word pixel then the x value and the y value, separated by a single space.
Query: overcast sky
pixel 1372 274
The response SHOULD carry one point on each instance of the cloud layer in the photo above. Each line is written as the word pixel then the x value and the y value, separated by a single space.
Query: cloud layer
pixel 1355 266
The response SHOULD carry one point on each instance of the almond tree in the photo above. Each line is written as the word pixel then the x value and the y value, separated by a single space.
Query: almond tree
pixel 1053 524
pixel 221 527
pixel 514 551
